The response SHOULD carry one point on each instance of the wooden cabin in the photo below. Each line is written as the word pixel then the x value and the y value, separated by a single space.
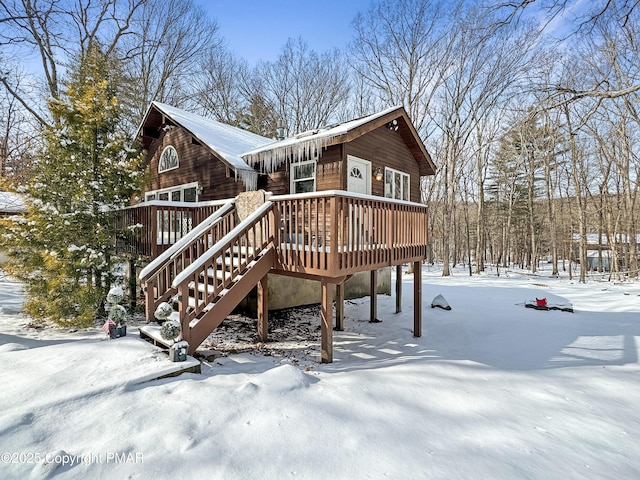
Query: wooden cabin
pixel 224 208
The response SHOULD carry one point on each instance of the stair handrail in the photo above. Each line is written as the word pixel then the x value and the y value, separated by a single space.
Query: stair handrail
pixel 184 243
pixel 208 290
pixel 222 244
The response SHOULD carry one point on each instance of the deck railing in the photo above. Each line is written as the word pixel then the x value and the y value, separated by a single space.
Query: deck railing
pixel 150 228
pixel 223 264
pixel 327 233
pixel 158 275
pixel 335 233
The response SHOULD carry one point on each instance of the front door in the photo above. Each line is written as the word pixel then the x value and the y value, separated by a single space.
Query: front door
pixel 358 175
pixel 358 181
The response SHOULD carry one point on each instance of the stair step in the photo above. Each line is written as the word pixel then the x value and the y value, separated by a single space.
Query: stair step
pixel 223 292
pixel 152 333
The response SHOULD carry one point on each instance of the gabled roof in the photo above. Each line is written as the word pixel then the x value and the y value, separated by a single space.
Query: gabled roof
pixel 242 150
pixel 272 155
pixel 224 141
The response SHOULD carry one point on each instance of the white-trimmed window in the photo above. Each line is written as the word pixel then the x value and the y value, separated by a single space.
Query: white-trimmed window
pixel 180 193
pixel 396 184
pixel 303 177
pixel 168 159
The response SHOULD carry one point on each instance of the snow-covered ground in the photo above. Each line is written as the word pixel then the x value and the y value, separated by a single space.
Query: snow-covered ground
pixel 491 391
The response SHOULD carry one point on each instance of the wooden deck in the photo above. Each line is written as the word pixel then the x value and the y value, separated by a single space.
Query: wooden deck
pixel 209 267
pixel 150 228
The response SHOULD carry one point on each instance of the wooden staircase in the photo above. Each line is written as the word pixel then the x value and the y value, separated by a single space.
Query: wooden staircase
pixel 209 272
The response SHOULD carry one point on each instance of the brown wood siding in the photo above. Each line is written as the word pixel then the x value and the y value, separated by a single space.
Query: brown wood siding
pixel 278 181
pixel 385 148
pixel 382 147
pixel 329 173
pixel 197 164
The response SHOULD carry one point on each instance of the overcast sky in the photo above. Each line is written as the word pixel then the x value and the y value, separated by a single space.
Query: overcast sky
pixel 257 29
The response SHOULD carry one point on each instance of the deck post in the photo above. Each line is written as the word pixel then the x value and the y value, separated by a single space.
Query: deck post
pixel 398 288
pixel 155 228
pixel 183 303
pixel 326 321
pixel 149 297
pixel 332 266
pixel 373 288
pixel 263 310
pixel 417 299
pixel 133 284
pixel 340 306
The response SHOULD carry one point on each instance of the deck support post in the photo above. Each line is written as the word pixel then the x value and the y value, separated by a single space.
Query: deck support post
pixel 340 306
pixel 326 322
pixel 417 299
pixel 373 287
pixel 398 288
pixel 263 309
pixel 183 303
pixel 149 294
pixel 133 284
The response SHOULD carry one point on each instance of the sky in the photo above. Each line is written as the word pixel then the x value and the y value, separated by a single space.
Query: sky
pixel 256 30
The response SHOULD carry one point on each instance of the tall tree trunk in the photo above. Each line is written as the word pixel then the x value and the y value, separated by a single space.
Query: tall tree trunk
pixel 551 217
pixel 578 174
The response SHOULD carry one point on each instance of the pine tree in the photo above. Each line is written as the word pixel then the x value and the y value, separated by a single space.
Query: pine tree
pixel 60 248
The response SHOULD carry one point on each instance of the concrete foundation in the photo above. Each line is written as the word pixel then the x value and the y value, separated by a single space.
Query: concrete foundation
pixel 287 292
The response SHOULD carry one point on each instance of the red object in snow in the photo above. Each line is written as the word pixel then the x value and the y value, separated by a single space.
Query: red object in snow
pixel 541 302
pixel 107 324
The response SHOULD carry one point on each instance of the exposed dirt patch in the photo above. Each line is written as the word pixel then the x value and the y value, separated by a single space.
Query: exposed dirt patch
pixel 293 333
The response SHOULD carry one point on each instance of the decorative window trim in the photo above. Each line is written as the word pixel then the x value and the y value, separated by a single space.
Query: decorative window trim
pixel 390 184
pixel 155 194
pixel 293 180
pixel 169 154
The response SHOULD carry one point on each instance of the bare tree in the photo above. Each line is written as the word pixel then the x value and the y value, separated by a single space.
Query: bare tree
pixel 308 89
pixel 171 44
pixel 484 68
pixel 219 89
pixel 55 29
pixel 622 10
pixel 157 42
pixel 400 51
pixel 580 173
pixel 17 132
pixel 582 19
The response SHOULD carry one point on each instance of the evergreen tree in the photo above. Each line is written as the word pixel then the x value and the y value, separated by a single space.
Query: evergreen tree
pixel 60 248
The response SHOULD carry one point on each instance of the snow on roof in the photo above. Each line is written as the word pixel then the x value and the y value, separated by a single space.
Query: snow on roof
pixel 227 141
pixel 11 203
pixel 306 143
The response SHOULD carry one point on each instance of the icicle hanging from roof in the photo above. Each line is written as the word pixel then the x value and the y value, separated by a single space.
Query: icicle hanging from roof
pixel 249 178
pixel 298 150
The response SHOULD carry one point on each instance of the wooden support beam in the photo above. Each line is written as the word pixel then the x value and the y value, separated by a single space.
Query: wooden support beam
pixel 132 278
pixel 326 322
pixel 149 297
pixel 398 288
pixel 417 299
pixel 340 306
pixel 185 329
pixel 373 287
pixel 263 310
